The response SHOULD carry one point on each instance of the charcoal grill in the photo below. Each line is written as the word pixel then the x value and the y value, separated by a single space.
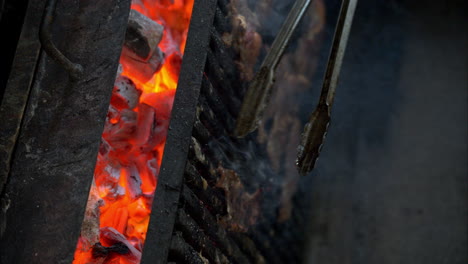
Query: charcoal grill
pixel 381 180
pixel 49 152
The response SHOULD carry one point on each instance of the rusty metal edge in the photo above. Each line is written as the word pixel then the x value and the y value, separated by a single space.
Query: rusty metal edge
pixel 170 180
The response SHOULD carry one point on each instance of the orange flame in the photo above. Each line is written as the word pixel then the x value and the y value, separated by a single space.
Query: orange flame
pixel 127 199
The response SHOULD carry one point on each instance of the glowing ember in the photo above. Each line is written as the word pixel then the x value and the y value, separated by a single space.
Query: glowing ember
pixel 133 140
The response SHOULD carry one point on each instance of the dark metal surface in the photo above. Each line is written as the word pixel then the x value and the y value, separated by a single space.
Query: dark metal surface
pixel 17 91
pixel 194 235
pixel 316 129
pixel 170 178
pixel 12 18
pixel 75 70
pixel 52 167
pixel 183 252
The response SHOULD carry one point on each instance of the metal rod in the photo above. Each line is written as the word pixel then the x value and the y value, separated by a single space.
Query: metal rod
pixel 75 70
pixel 171 175
pixel 315 130
pixel 284 35
pixel 259 91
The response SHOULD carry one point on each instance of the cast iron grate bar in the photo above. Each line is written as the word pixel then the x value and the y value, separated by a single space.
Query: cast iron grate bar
pixel 209 224
pixel 181 252
pixel 170 179
pixel 195 236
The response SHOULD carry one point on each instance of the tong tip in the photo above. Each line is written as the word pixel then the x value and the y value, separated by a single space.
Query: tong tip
pixel 254 103
pixel 312 141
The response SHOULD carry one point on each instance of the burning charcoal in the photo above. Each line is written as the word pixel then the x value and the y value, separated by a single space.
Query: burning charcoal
pixel 134 134
pixel 153 131
pixel 147 169
pixel 153 168
pixel 175 63
pixel 119 71
pixel 162 103
pixel 123 129
pixel 152 128
pixel 111 237
pixel 125 94
pixel 140 69
pixel 133 181
pixel 107 178
pixel 157 135
pixel 142 37
pixel 90 226
pixel 145 123
pixel 104 148
pixel 113 115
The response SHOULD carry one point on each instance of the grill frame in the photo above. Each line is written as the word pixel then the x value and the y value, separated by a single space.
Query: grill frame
pixel 184 224
pixel 170 177
pixel 53 128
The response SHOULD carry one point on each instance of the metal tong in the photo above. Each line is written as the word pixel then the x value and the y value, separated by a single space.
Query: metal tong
pixel 316 129
pixel 259 91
